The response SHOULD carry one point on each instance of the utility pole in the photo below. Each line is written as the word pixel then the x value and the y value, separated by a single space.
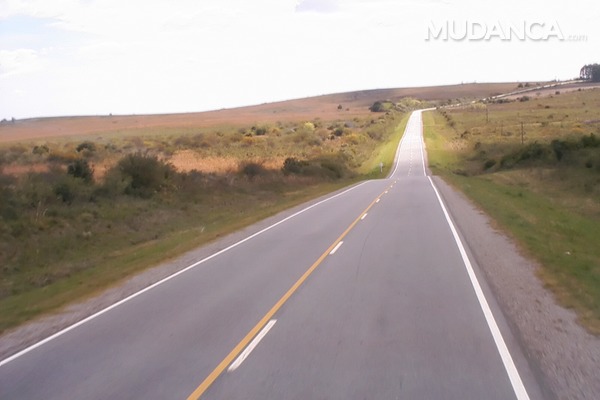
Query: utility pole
pixel 522 134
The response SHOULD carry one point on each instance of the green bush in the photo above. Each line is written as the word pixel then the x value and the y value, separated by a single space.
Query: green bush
pixel 533 151
pixel 560 148
pixel 489 164
pixel 333 169
pixel 64 192
pixel 81 169
pixel 252 169
pixel 292 165
pixel 39 150
pixel 590 141
pixel 146 174
pixel 87 145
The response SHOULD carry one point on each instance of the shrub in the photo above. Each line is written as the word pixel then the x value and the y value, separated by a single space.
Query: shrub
pixel 43 149
pixel 379 106
pixel 81 169
pixel 532 151
pixel 113 184
pixel 560 147
pixel 375 134
pixel 146 174
pixel 292 165
pixel 590 141
pixel 252 169
pixel 260 131
pixel 489 164
pixel 333 168
pixel 65 192
pixel 309 126
pixel 87 145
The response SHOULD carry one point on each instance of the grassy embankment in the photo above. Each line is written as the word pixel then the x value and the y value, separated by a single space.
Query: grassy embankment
pixel 542 187
pixel 68 232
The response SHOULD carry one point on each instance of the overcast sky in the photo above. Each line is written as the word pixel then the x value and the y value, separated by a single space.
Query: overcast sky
pixel 94 57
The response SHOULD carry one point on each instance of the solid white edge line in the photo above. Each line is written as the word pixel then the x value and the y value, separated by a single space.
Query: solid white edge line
pixel 244 354
pixel 422 145
pixel 509 365
pixel 168 278
pixel 337 246
pixel 397 156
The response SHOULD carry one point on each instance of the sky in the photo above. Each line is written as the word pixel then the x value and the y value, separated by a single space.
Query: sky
pixel 95 57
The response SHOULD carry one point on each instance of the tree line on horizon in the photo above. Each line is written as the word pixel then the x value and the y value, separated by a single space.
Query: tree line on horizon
pixel 590 72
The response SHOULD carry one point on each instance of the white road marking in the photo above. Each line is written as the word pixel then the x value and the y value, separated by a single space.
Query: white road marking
pixel 509 365
pixel 168 278
pixel 377 201
pixel 337 246
pixel 364 216
pixel 238 361
pixel 386 191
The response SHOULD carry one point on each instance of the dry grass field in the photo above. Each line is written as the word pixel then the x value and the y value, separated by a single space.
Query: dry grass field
pixel 354 104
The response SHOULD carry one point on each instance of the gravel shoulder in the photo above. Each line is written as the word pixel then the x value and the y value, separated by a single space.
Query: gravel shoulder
pixel 566 357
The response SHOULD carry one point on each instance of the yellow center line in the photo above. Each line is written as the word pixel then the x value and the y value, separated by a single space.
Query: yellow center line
pixel 257 328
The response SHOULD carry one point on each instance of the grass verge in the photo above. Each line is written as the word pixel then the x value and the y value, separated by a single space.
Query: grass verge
pixel 129 260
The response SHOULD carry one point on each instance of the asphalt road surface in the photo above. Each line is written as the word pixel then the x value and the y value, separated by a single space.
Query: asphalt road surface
pixel 369 294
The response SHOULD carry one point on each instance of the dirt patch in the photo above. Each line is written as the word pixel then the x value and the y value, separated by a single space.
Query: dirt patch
pixel 19 170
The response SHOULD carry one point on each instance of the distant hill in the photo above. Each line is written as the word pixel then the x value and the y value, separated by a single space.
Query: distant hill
pixel 325 107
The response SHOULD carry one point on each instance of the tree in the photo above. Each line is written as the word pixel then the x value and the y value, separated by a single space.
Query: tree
pixel 378 106
pixel 590 72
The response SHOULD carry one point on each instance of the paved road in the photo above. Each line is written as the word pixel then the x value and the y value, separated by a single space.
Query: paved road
pixel 365 295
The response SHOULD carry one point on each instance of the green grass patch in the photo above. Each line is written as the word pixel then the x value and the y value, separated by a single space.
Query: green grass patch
pixel 385 153
pixel 108 263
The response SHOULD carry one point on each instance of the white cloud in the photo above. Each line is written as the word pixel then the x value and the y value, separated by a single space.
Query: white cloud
pixel 319 6
pixel 19 62
pixel 160 56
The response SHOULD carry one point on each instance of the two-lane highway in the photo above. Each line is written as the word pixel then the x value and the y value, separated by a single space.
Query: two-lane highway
pixel 366 294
